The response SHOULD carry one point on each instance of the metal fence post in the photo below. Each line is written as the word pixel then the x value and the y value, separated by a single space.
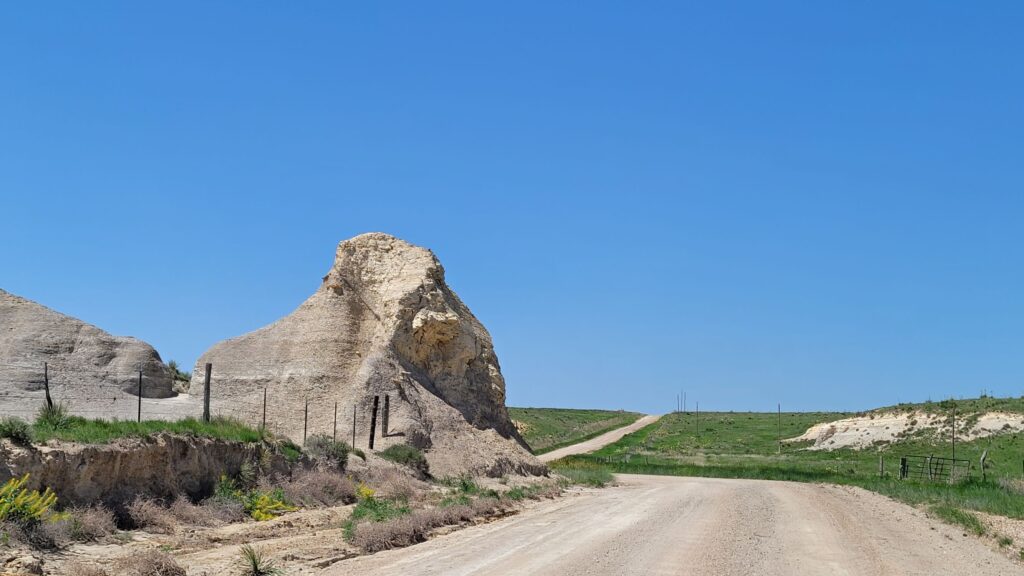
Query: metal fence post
pixel 335 436
pixel 353 426
pixel 264 425
pixel 305 422
pixel 387 411
pixel 206 392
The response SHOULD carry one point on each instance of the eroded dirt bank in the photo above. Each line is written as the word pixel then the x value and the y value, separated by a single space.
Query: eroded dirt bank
pixel 163 466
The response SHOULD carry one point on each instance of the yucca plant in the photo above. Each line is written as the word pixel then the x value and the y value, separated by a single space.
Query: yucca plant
pixel 24 506
pixel 54 416
pixel 254 563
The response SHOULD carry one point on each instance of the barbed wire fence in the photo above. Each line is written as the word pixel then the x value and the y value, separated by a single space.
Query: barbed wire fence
pixel 102 394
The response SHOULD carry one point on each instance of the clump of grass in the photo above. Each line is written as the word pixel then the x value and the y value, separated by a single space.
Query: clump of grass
pixel 1004 541
pixel 406 455
pixel 959 517
pixel 322 446
pixel 255 563
pixel 17 430
pixel 54 417
pixel 149 563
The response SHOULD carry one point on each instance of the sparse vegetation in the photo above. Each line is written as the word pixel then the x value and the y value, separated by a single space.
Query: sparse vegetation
pixel 406 455
pixel 96 431
pixel 959 517
pixel 255 563
pixel 583 472
pixel 547 429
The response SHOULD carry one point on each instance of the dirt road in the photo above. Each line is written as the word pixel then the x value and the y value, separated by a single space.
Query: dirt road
pixel 598 442
pixel 651 525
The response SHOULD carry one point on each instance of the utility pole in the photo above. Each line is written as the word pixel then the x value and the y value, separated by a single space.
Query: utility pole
pixel 954 431
pixel 780 428
pixel 698 419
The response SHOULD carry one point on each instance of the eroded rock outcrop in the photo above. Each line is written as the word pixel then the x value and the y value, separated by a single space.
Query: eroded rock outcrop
pixel 383 322
pixel 80 355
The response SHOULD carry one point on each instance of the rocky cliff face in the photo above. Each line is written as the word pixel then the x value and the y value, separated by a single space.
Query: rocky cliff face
pixel 383 322
pixel 80 356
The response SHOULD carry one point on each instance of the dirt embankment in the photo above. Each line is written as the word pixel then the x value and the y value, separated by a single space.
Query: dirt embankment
pixel 161 466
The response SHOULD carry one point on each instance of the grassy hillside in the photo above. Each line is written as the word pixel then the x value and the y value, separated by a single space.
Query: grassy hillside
pixel 745 445
pixel 547 429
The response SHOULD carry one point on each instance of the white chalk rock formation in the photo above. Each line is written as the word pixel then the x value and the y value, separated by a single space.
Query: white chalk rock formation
pixel 81 357
pixel 382 323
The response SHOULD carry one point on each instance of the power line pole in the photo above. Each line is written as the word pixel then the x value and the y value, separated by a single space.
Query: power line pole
pixel 780 428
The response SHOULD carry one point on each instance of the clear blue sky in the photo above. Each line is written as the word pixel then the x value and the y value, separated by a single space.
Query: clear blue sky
pixel 813 203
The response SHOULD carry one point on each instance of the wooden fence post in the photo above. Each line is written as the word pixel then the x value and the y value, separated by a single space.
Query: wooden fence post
pixel 206 392
pixel 373 420
pixel 264 424
pixel 353 426
pixel 46 384
pixel 387 411
pixel 139 415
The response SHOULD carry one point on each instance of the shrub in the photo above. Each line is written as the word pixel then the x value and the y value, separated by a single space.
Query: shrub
pixel 227 510
pixel 319 488
pixel 148 563
pixel 19 431
pixel 584 473
pixel 260 504
pixel 395 484
pixel 188 513
pixel 54 417
pixel 266 505
pixel 22 506
pixel 150 515
pixel 91 524
pixel 322 446
pixel 406 455
pixel 254 563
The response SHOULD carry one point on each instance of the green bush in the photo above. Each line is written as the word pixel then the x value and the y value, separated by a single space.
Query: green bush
pixel 19 431
pixel 406 455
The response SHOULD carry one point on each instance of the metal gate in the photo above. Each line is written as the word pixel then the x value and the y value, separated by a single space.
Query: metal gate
pixel 934 469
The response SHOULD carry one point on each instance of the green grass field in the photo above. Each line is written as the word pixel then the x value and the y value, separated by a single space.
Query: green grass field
pixel 547 429
pixel 745 445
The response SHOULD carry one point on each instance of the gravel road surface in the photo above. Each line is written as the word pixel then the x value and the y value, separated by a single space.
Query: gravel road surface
pixel 655 525
pixel 599 441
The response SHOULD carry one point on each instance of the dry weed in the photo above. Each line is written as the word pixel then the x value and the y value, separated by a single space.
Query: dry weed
pixel 149 515
pixel 319 488
pixel 148 563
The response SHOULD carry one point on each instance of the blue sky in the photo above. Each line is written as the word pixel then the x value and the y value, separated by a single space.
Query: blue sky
pixel 813 203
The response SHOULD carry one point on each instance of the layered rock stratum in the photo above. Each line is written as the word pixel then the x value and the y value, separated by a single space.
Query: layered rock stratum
pixel 383 322
pixel 80 356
